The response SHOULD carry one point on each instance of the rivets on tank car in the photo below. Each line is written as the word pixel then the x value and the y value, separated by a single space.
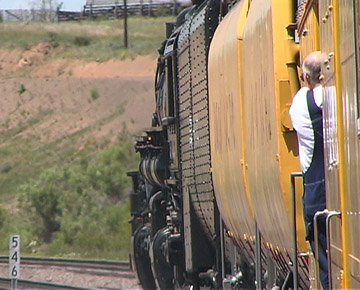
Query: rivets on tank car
pixel 325 18
pixel 327 63
pixel 305 32
pixel 330 7
pixel 341 275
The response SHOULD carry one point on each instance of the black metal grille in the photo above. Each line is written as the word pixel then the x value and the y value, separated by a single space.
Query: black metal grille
pixel 193 48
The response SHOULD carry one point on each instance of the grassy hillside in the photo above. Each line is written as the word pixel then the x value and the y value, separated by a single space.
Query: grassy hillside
pixel 96 40
pixel 66 138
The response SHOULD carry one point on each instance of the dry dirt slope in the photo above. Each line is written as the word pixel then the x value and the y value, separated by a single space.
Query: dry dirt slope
pixel 63 97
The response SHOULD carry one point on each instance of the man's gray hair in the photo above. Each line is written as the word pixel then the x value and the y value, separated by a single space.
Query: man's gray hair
pixel 312 69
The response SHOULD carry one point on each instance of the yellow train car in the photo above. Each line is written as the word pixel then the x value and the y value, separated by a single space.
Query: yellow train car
pixel 333 28
pixel 254 147
pixel 226 89
pixel 248 107
pixel 271 147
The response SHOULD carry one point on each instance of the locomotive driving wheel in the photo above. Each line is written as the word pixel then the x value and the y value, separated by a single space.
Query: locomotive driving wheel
pixel 141 257
pixel 162 269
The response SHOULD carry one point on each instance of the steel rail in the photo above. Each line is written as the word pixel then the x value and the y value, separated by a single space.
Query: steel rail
pixel 28 284
pixel 80 263
pixel 93 267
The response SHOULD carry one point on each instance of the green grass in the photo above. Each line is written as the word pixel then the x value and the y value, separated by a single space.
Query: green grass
pixel 97 40
pixel 97 229
pixel 95 180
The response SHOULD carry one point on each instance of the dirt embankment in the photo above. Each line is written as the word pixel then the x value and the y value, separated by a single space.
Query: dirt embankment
pixel 60 97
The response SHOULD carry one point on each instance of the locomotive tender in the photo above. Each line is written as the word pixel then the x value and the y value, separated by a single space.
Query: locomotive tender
pixel 217 200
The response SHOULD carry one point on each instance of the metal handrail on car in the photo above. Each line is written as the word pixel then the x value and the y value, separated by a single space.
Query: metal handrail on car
pixel 293 175
pixel 328 215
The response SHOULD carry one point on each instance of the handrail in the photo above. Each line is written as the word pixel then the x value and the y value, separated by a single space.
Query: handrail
pixel 330 215
pixel 324 212
pixel 293 175
pixel 258 268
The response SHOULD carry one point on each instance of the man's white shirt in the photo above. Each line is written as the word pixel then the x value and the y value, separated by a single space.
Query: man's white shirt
pixel 301 120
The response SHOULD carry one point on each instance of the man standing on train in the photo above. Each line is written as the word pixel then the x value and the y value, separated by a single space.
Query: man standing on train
pixel 306 116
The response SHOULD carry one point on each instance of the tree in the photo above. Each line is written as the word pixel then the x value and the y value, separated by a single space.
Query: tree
pixel 47 9
pixel 42 196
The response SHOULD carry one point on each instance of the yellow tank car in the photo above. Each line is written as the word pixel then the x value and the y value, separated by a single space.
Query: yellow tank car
pixel 252 78
pixel 333 28
pixel 271 154
pixel 339 41
pixel 227 139
pixel 308 29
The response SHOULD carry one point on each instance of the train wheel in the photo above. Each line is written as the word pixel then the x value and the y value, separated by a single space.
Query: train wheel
pixel 162 269
pixel 141 257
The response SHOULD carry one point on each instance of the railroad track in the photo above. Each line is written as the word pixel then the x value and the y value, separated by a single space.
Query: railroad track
pixel 27 284
pixel 116 269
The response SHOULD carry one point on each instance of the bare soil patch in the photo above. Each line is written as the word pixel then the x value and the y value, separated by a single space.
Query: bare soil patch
pixel 62 97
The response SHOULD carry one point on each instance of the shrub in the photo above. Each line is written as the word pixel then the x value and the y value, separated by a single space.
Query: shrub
pixel 3 215
pixel 43 195
pixel 81 207
pixel 95 94
pixel 107 173
pixel 53 39
pixel 82 41
pixel 22 89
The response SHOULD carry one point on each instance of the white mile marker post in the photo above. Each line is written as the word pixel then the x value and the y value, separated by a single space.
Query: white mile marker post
pixel 14 260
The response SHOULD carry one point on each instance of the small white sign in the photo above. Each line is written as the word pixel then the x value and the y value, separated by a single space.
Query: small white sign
pixel 14 258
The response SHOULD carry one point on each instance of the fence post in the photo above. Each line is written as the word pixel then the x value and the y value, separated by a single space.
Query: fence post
pixel 125 25
pixel 175 8
pixel 116 9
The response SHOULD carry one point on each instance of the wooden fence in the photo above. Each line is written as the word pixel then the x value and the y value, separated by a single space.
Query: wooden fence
pixel 94 9
pixel 115 9
pixel 10 15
